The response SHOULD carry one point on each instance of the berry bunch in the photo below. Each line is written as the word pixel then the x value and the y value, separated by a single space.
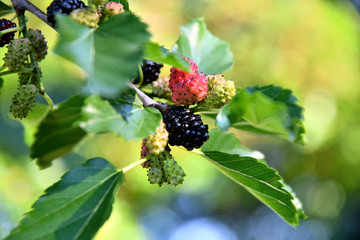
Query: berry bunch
pixel 62 7
pixel 185 128
pixel 188 88
pixel 6 38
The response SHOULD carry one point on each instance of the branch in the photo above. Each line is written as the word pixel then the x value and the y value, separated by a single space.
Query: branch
pixel 147 101
pixel 25 5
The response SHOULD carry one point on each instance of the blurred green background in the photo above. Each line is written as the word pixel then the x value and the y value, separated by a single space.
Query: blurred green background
pixel 311 47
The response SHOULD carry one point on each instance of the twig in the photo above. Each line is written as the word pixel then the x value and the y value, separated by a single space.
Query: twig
pixel 147 101
pixel 132 165
pixel 25 5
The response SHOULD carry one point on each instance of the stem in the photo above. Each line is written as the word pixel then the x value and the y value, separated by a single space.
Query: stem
pixel 48 100
pixel 9 30
pixel 17 71
pixel 132 165
pixel 147 101
pixel 21 6
pixel 141 74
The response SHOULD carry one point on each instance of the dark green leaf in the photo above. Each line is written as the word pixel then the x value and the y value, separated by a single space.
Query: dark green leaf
pixel 232 146
pixel 256 111
pixel 110 54
pixel 295 123
pixel 123 116
pixel 5 9
pixel 73 208
pixel 1 83
pixel 224 151
pixel 157 53
pixel 211 54
pixel 57 134
pixel 32 121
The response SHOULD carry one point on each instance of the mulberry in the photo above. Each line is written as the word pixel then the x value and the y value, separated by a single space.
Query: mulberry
pixel 185 128
pixel 188 88
pixel 6 38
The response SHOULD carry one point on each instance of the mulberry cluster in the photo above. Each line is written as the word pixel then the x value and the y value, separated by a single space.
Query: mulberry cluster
pixel 17 54
pixel 23 101
pixel 6 38
pixel 188 88
pixel 220 91
pixel 157 143
pixel 86 16
pixel 62 7
pixel 185 128
pixel 164 169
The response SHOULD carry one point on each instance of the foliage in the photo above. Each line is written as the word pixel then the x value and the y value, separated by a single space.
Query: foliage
pixel 110 55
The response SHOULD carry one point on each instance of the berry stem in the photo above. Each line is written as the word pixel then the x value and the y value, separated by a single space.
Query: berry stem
pixel 21 5
pixel 141 74
pixel 147 101
pixel 48 100
pixel 132 165
pixel 9 30
pixel 16 71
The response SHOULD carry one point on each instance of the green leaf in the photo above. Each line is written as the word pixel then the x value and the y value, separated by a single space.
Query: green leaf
pixel 268 110
pixel 32 121
pixel 109 55
pixel 1 83
pixel 5 9
pixel 258 178
pixel 123 116
pixel 57 134
pixel 295 118
pixel 211 54
pixel 157 53
pixel 73 208
pixel 232 146
pixel 296 201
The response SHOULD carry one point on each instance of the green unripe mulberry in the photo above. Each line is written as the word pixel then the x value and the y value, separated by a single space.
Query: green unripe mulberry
pixel 23 101
pixel 173 172
pixel 220 91
pixel 38 44
pixel 161 88
pixel 86 16
pixel 156 173
pixel 17 54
